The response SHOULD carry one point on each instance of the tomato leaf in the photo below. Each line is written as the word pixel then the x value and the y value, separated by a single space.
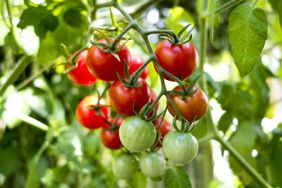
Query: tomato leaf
pixel 243 140
pixel 177 177
pixel 74 13
pixel 225 121
pixel 247 35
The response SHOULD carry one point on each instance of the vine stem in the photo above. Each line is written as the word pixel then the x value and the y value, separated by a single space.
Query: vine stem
pixel 20 67
pixel 212 129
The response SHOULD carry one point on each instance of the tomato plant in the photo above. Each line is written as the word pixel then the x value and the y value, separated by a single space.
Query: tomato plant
pixel 136 134
pixel 191 107
pixel 178 59
pixel 239 68
pixel 135 63
pixel 104 65
pixel 124 99
pixel 180 148
pixel 152 164
pixel 125 166
pixel 88 116
pixel 165 127
pixel 80 74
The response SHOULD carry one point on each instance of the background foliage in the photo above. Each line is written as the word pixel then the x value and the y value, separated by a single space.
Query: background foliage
pixel 243 39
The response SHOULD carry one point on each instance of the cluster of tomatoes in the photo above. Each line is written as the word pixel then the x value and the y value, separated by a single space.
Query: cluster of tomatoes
pixel 130 129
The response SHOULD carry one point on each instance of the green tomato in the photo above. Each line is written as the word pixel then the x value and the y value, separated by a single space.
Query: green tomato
pixel 137 135
pixel 125 166
pixel 180 148
pixel 152 164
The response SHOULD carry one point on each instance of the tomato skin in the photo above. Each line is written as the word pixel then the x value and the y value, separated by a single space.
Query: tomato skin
pixel 125 166
pixel 123 99
pixel 89 118
pixel 80 74
pixel 110 139
pixel 152 165
pixel 193 107
pixel 104 65
pixel 180 148
pixel 135 63
pixel 165 128
pixel 136 134
pixel 178 59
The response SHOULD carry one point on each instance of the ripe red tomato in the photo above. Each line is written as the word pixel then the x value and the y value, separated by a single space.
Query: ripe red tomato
pixel 177 59
pixel 123 99
pixel 80 74
pixel 192 107
pixel 90 118
pixel 104 65
pixel 110 139
pixel 135 63
pixel 165 127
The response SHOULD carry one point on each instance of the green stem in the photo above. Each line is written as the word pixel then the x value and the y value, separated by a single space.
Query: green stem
pixel 30 120
pixel 256 176
pixel 20 67
pixel 212 127
pixel 34 76
pixel 118 38
pixel 12 28
pixel 138 72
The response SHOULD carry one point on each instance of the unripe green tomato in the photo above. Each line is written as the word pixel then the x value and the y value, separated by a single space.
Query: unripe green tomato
pixel 152 164
pixel 180 148
pixel 125 166
pixel 137 135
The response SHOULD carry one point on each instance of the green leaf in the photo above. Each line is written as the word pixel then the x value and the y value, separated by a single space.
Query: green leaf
pixel 10 160
pixel 42 19
pixel 243 140
pixel 177 177
pixel 225 121
pixel 247 35
pixel 178 18
pixel 73 17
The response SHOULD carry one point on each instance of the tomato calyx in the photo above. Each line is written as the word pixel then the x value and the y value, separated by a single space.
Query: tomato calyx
pixel 185 125
pixel 178 39
pixel 130 80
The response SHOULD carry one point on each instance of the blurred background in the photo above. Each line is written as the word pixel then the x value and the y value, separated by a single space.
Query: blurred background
pixel 41 142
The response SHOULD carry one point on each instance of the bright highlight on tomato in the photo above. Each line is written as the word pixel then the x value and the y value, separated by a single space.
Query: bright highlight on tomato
pixel 178 59
pixel 137 135
pixel 90 118
pixel 180 148
pixel 80 74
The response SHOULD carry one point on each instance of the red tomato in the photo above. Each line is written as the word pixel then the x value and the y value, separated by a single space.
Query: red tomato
pixel 122 98
pixel 165 127
pixel 80 74
pixel 90 118
pixel 110 139
pixel 104 65
pixel 135 63
pixel 192 107
pixel 177 59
